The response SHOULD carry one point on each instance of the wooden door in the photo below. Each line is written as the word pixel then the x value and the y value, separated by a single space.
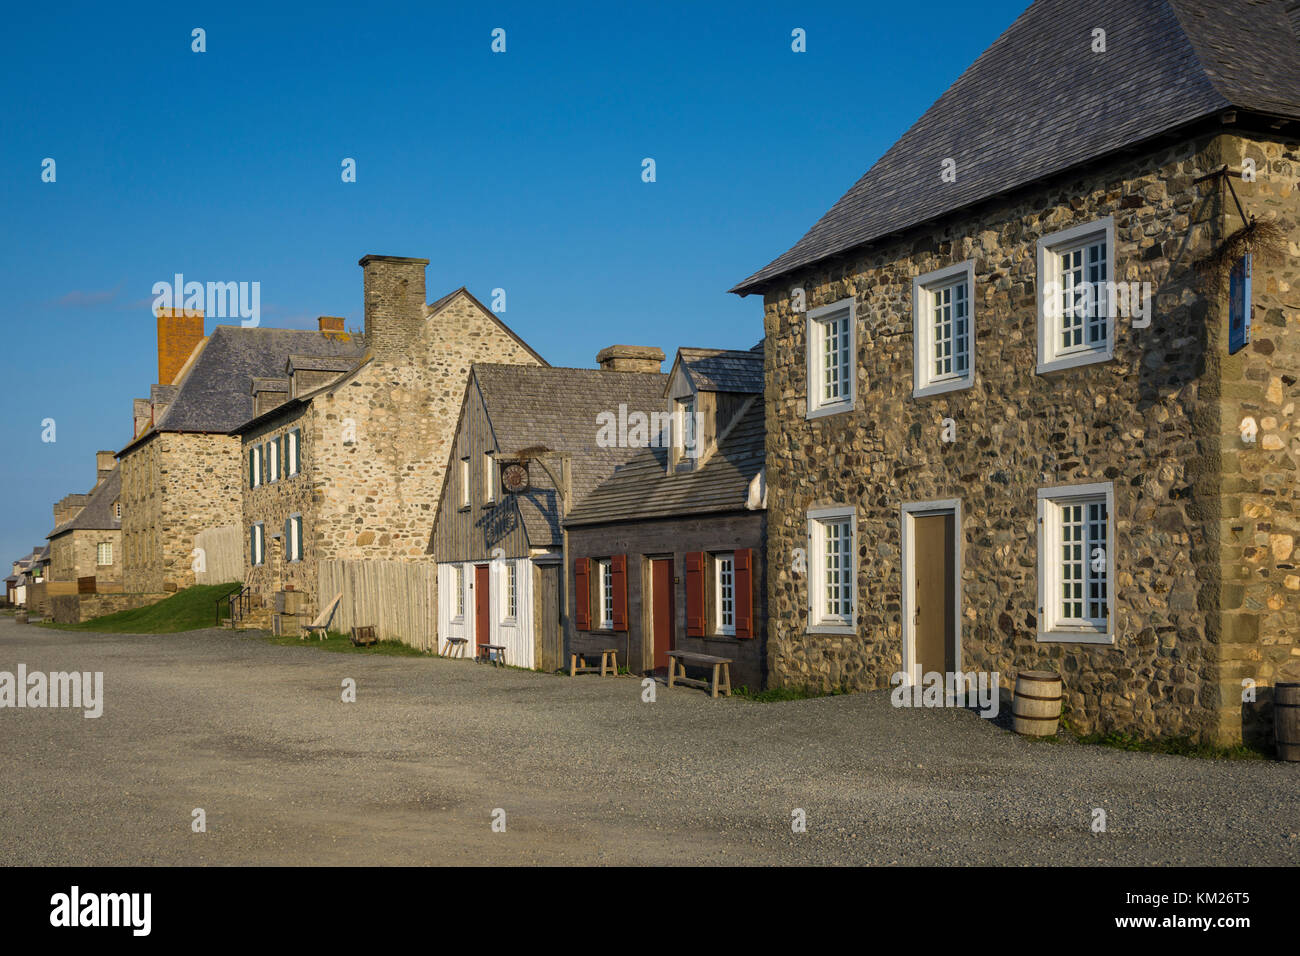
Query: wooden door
pixel 935 614
pixel 549 623
pixel 663 609
pixel 482 606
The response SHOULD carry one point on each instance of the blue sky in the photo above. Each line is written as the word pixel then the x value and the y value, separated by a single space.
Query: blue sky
pixel 519 171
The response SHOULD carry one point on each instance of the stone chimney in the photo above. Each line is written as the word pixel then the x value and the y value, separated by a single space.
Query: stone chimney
pixel 68 507
pixel 631 358
pixel 394 306
pixel 105 462
pixel 330 323
pixel 160 396
pixel 179 330
pixel 142 413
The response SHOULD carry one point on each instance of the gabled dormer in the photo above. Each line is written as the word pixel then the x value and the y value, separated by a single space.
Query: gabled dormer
pixel 708 391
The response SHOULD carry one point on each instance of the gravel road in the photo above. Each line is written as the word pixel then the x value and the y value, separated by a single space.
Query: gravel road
pixel 586 773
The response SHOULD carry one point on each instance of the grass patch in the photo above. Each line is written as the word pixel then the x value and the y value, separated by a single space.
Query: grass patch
pixel 186 610
pixel 1175 746
pixel 775 695
pixel 340 643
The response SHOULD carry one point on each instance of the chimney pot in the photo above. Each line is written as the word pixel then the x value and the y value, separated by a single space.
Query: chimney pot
pixel 631 358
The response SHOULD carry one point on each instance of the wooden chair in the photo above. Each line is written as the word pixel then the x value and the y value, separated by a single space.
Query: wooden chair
pixel 321 624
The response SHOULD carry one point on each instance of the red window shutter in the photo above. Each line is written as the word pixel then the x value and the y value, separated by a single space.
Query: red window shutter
pixel 694 593
pixel 744 592
pixel 581 594
pixel 618 574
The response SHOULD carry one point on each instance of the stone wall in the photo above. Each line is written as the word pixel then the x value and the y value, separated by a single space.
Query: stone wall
pixel 76 608
pixel 1148 421
pixel 141 517
pixel 75 554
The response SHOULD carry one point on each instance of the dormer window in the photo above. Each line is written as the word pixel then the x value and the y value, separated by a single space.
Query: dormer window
pixel 688 427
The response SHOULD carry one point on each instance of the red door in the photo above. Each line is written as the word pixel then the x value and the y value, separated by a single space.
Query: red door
pixel 482 615
pixel 663 610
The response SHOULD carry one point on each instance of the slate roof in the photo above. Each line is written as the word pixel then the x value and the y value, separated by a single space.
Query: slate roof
pixel 216 393
pixel 642 488
pixel 320 363
pixel 1040 101
pixel 97 515
pixel 558 408
pixel 722 370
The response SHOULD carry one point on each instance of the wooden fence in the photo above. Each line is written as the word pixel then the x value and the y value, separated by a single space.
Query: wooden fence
pixel 399 598
pixel 222 550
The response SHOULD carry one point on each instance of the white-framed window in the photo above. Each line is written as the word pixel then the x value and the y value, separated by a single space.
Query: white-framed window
pixel 292 453
pixel 688 425
pixel 832 574
pixel 1076 314
pixel 605 593
pixel 1075 563
pixel 256 544
pixel 293 538
pixel 117 510
pixel 273 458
pixel 724 593
pixel 943 330
pixel 104 553
pixel 509 592
pixel 255 466
pixel 464 482
pixel 489 478
pixel 458 593
pixel 831 358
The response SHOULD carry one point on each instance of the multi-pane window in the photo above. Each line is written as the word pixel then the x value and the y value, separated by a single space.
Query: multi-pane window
pixel 831 593
pixel 511 594
pixel 117 510
pixel 724 589
pixel 1075 562
pixel 464 482
pixel 688 427
pixel 273 459
pixel 830 358
pixel 254 466
pixel 458 591
pixel 606 595
pixel 104 553
pixel 1076 312
pixel 292 453
pixel 943 330
pixel 489 477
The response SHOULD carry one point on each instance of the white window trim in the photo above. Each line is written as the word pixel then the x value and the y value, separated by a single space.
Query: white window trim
pixel 1048 327
pixel 464 483
pixel 923 382
pixel 99 550
pixel 273 459
pixel 257 466
pixel 816 540
pixel 295 537
pixel 489 479
pixel 291 453
pixel 813 338
pixel 723 630
pixel 509 583
pixel 259 544
pixel 603 567
pixel 458 603
pixel 1048 584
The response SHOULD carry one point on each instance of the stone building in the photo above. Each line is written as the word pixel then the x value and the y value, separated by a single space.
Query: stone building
pixel 500 552
pixel 87 538
pixel 181 472
pixel 981 457
pixel 344 459
pixel 667 553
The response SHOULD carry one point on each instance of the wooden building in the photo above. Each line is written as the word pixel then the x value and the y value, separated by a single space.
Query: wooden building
pixel 500 554
pixel 668 553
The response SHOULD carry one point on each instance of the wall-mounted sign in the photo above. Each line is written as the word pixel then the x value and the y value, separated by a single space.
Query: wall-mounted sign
pixel 1239 305
pixel 514 476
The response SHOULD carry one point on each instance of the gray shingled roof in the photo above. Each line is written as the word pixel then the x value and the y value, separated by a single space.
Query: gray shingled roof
pixel 722 370
pixel 1039 101
pixel 320 363
pixel 557 408
pixel 97 515
pixel 216 394
pixel 643 489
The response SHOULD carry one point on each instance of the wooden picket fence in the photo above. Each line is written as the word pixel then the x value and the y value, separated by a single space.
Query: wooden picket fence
pixel 399 598
pixel 223 555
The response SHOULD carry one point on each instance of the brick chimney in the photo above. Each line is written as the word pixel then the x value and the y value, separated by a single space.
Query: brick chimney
pixel 105 462
pixel 394 306
pixel 179 330
pixel 631 358
pixel 330 323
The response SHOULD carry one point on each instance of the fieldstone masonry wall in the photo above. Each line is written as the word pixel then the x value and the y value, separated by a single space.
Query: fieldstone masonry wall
pixel 1149 421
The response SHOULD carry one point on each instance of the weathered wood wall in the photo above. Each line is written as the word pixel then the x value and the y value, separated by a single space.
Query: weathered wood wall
pixel 399 598
pixel 223 555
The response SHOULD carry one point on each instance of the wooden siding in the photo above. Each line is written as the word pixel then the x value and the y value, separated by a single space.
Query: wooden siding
pixel 674 537
pixel 223 555
pixel 397 597
pixel 516 635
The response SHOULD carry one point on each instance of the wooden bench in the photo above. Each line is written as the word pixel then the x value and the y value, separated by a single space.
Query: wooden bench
pixel 608 664
pixel 364 636
pixel 492 654
pixel 721 668
pixel 456 646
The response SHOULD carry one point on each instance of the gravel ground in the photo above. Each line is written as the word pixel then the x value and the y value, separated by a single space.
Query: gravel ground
pixel 257 736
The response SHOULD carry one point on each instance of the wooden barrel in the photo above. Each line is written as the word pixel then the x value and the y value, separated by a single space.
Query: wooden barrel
pixel 1036 709
pixel 1286 720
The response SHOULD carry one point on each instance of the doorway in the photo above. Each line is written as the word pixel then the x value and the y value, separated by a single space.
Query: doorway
pixel 931 588
pixel 482 607
pixel 663 610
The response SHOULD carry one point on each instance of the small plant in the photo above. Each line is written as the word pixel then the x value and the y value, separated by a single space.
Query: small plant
pixel 777 694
